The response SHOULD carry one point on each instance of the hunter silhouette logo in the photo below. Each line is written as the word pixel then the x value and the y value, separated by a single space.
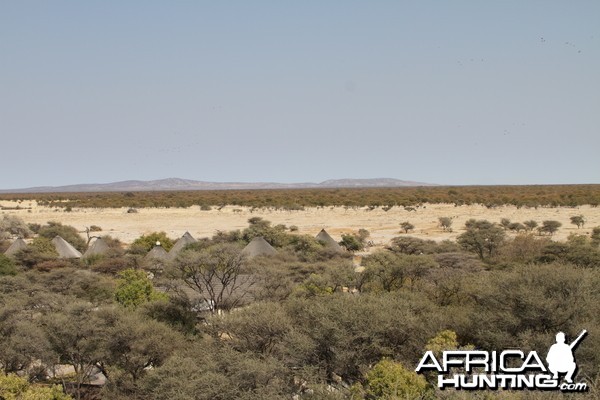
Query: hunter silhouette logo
pixel 560 356
pixel 507 369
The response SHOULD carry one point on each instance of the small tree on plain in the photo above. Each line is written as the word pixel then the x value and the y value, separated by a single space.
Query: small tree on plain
pixel 445 223
pixel 549 227
pixel 363 234
pixel 481 237
pixel 407 226
pixel 530 225
pixel 578 220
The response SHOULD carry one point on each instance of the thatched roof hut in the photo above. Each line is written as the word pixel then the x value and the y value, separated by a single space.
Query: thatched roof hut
pixel 180 244
pixel 15 247
pixel 65 249
pixel 328 241
pixel 97 248
pixel 258 247
pixel 157 253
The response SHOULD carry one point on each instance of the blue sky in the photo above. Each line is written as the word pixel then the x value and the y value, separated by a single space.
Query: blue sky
pixel 461 92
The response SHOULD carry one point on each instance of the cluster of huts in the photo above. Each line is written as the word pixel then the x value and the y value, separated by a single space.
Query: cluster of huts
pixel 257 247
pixel 63 248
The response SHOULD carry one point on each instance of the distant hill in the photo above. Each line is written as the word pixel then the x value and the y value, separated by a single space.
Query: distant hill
pixel 369 183
pixel 186 184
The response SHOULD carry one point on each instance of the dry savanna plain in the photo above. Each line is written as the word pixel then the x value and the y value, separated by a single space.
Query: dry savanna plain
pixel 337 220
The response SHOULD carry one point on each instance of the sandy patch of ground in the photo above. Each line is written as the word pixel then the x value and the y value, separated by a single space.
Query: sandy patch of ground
pixel 336 220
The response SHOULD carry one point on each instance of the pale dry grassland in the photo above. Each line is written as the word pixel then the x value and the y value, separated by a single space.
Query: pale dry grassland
pixel 382 225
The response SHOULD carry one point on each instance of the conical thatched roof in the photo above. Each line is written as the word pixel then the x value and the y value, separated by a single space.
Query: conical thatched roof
pixel 328 241
pixel 258 247
pixel 97 248
pixel 180 244
pixel 157 253
pixel 17 245
pixel 65 249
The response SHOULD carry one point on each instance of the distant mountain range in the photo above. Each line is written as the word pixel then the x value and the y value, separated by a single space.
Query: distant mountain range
pixel 186 184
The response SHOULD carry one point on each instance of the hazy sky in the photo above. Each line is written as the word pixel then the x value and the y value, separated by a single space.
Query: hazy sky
pixel 450 92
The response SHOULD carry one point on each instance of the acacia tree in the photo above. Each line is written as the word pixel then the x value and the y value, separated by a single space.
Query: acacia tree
pixel 21 340
pixel 216 274
pixel 530 225
pixel 407 226
pixel 482 237
pixel 132 344
pixel 578 220
pixel 550 227
pixel 445 223
pixel 388 271
pixel 73 334
pixel 258 328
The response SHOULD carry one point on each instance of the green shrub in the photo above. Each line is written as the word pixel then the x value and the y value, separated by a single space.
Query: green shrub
pixel 134 288
pixel 17 388
pixel 69 233
pixel 147 242
pixel 112 266
pixel 596 235
pixel 40 250
pixel 7 266
pixel 391 380
pixel 352 242
pixel 35 228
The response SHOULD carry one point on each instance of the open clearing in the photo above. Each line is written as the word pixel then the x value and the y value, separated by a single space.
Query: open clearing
pixel 383 225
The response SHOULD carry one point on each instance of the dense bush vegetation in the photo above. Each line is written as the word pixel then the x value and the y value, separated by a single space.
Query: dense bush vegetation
pixel 214 324
pixel 491 196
